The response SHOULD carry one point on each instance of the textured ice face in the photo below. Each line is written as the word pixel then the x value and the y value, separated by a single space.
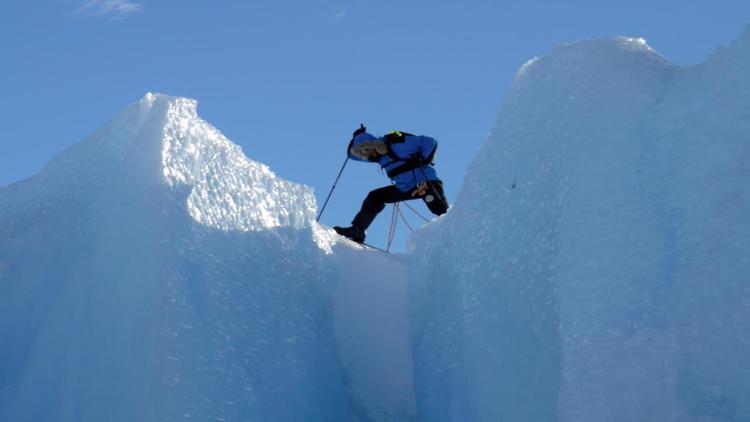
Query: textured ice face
pixel 594 266
pixel 154 260
pixel 161 140
pixel 227 190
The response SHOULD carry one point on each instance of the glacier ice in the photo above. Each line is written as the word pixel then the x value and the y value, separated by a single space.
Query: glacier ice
pixel 594 267
pixel 153 272
pixel 595 264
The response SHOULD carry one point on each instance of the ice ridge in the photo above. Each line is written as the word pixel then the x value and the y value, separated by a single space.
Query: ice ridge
pixel 160 141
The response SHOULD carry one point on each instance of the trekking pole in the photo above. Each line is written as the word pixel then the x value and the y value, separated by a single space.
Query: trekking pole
pixel 361 129
pixel 332 188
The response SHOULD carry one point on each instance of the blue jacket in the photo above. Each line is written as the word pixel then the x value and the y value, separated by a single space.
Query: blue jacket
pixel 423 146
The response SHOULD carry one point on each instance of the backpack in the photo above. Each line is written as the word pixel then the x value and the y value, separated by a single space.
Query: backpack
pixel 397 137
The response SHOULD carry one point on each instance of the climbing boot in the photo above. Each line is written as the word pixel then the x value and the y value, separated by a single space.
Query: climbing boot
pixel 354 233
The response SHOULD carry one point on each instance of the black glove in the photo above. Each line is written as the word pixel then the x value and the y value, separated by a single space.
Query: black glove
pixel 362 129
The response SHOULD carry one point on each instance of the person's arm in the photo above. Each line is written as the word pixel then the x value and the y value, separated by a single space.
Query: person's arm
pixel 349 154
pixel 356 157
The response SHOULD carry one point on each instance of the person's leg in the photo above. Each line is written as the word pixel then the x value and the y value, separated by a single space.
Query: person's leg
pixel 435 199
pixel 375 202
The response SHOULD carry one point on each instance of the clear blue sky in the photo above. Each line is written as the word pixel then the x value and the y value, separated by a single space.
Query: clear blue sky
pixel 290 80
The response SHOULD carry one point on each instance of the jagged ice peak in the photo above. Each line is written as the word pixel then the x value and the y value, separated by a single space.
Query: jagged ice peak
pixel 229 191
pixel 161 141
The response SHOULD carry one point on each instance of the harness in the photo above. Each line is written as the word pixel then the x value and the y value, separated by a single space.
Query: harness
pixel 398 137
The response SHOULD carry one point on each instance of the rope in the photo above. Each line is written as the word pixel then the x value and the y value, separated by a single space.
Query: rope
pixel 394 221
pixel 416 212
pixel 392 229
pixel 397 213
pixel 403 218
pixel 374 247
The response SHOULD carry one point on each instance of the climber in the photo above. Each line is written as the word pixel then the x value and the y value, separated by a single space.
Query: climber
pixel 407 160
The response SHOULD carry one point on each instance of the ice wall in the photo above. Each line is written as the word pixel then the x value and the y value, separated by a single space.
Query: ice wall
pixel 153 272
pixel 595 266
pixel 369 307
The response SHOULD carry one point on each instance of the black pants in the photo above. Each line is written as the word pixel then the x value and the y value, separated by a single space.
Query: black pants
pixel 376 200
